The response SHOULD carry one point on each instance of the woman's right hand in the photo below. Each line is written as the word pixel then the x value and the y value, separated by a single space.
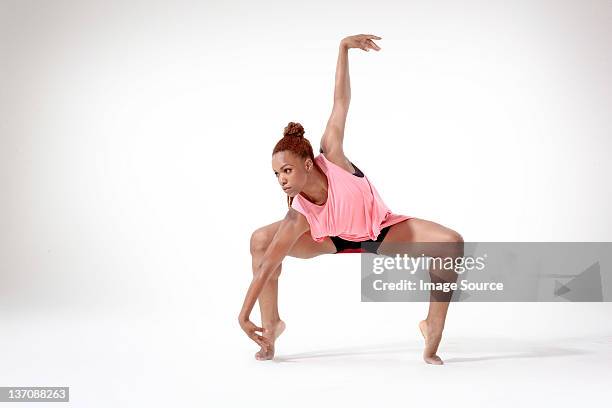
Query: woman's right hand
pixel 363 41
pixel 251 330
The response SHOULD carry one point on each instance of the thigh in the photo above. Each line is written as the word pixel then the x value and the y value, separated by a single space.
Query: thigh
pixel 305 247
pixel 418 236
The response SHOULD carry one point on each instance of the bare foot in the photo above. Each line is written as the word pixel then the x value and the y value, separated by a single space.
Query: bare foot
pixel 432 336
pixel 270 333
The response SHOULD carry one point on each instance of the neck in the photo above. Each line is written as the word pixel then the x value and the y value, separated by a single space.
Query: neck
pixel 315 189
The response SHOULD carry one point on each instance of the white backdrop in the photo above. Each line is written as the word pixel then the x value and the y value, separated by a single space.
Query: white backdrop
pixel 135 147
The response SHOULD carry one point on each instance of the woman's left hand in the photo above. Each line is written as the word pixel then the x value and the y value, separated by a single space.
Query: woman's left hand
pixel 363 41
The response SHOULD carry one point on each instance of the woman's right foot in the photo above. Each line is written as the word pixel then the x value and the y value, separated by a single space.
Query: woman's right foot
pixel 271 333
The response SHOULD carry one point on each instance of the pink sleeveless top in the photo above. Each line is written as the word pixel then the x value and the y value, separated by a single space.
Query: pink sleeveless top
pixel 353 211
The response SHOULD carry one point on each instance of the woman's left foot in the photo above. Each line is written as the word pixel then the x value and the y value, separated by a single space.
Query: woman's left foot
pixel 432 335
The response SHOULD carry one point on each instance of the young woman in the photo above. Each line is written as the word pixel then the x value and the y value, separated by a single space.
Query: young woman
pixel 333 208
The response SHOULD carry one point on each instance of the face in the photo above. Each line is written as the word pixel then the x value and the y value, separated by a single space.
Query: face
pixel 291 171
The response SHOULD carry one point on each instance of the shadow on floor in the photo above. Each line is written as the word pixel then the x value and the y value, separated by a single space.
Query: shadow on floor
pixel 489 349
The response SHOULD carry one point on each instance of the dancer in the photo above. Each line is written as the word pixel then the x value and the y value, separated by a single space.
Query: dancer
pixel 333 208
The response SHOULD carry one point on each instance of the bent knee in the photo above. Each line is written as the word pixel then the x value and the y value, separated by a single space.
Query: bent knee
pixel 260 239
pixel 452 236
pixel 456 237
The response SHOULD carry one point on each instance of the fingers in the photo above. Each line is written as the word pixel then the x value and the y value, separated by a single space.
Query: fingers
pixel 365 42
pixel 263 343
pixel 369 44
pixel 371 36
pixel 250 329
pixel 373 45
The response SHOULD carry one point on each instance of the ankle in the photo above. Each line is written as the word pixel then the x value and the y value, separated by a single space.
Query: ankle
pixel 271 323
pixel 435 324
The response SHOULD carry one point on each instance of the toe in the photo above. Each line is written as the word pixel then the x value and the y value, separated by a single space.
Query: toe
pixel 435 360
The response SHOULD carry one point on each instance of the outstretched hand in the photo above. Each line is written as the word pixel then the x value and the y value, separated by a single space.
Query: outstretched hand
pixel 363 41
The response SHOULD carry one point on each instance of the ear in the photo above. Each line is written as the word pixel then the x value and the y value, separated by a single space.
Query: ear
pixel 308 164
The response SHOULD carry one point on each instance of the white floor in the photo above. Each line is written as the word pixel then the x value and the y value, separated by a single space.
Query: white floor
pixel 164 359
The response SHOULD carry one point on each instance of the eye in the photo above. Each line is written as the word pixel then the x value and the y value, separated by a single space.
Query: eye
pixel 287 170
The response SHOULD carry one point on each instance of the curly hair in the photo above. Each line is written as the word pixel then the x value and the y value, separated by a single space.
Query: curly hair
pixel 293 140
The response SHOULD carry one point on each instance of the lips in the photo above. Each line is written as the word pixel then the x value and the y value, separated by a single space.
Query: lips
pixel 286 188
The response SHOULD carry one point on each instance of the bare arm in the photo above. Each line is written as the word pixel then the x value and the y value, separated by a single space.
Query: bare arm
pixel 342 85
pixel 333 137
pixel 291 228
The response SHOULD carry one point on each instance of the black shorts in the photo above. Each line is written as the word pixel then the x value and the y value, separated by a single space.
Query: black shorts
pixel 370 246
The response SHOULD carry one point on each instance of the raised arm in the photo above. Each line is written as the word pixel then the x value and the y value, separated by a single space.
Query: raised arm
pixel 290 229
pixel 333 137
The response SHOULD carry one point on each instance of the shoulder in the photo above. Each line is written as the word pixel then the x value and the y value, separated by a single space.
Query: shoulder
pixel 295 223
pixel 287 234
pixel 339 159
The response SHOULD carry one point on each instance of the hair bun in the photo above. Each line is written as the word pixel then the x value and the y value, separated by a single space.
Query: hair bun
pixel 294 129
